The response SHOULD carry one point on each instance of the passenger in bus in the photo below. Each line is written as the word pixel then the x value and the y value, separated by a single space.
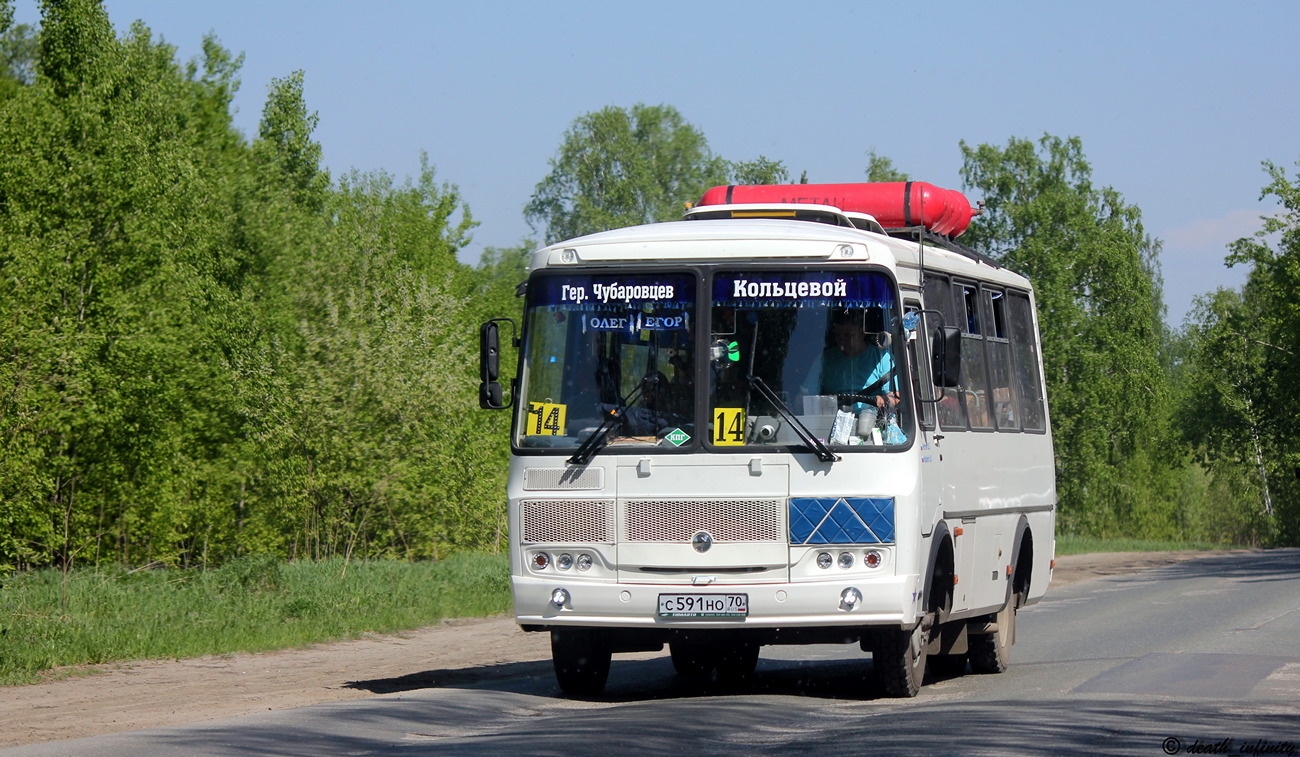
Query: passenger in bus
pixel 854 362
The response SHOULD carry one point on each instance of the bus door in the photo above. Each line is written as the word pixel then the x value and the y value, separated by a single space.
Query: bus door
pixel 929 437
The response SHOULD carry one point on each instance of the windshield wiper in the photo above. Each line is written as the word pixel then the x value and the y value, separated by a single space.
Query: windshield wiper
pixel 816 445
pixel 593 443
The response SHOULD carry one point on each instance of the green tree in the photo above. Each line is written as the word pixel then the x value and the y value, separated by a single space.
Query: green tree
pixel 381 382
pixel 285 134
pixel 208 348
pixel 760 171
pixel 626 166
pixel 496 279
pixel 77 45
pixel 881 168
pixel 621 167
pixel 1098 289
pixel 1223 417
pixel 18 53
pixel 1245 352
pixel 122 296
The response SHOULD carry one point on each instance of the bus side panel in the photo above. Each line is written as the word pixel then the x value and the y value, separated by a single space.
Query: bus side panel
pixel 991 480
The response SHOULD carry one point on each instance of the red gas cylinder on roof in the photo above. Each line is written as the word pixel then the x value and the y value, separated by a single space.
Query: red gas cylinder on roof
pixel 895 204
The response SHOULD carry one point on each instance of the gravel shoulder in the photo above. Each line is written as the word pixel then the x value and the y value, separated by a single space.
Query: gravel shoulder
pixel 99 699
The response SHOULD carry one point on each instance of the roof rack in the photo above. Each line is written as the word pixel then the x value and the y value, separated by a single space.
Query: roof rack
pixel 921 234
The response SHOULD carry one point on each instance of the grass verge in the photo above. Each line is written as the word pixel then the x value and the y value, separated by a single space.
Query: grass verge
pixel 110 614
pixel 1083 545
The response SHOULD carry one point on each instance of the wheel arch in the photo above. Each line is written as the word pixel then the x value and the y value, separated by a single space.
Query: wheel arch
pixel 1022 561
pixel 941 562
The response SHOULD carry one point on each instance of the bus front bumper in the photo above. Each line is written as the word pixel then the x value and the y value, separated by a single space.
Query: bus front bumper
pixel 884 601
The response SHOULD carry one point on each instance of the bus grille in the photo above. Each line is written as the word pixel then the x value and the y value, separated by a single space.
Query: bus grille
pixel 726 520
pixel 567 520
pixel 563 478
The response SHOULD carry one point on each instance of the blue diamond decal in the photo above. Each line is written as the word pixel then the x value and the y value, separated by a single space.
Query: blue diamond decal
pixel 845 520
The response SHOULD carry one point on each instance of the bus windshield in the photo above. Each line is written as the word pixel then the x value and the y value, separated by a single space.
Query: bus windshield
pixel 609 354
pixel 818 349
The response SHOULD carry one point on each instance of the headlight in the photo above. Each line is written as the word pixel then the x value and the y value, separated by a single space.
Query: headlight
pixel 824 560
pixel 846 559
pixel 584 562
pixel 564 562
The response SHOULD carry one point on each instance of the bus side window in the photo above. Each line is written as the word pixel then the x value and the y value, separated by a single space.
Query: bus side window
pixel 938 296
pixel 1024 348
pixel 975 384
pixel 1006 415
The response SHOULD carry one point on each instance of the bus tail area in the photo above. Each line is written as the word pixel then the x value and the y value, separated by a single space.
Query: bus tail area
pixel 801 415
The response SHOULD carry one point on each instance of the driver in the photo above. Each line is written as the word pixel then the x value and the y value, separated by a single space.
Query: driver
pixel 851 363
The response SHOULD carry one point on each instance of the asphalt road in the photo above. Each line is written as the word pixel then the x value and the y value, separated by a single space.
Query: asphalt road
pixel 1202 657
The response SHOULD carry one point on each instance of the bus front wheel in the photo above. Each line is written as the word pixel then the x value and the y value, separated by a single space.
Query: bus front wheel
pixel 581 661
pixel 898 658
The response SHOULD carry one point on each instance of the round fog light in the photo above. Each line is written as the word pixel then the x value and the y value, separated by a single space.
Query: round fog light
pixel 871 559
pixel 846 559
pixel 584 562
pixel 824 560
pixel 850 598
pixel 559 598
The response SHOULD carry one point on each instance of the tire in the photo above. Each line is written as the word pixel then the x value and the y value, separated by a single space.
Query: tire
pixel 691 660
pixel 991 652
pixel 736 662
pixel 899 660
pixel 581 661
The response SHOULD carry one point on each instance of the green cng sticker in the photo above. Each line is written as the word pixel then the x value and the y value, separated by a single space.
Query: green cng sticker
pixel 678 437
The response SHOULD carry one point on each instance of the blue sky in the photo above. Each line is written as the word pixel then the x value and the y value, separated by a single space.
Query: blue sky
pixel 1177 103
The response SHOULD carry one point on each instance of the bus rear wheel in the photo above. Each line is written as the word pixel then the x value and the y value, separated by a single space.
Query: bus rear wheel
pixel 991 652
pixel 581 661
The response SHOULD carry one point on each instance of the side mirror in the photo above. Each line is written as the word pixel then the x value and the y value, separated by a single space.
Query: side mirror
pixel 489 361
pixel 946 356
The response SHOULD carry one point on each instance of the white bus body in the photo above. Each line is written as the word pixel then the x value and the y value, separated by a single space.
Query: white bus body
pixel 661 490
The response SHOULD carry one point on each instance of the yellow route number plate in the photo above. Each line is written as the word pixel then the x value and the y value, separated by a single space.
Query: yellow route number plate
pixel 545 419
pixel 728 426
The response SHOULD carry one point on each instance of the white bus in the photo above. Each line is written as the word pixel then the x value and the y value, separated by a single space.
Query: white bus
pixel 802 415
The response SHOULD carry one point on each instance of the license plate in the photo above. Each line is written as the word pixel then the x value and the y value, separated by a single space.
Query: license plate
pixel 703 605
